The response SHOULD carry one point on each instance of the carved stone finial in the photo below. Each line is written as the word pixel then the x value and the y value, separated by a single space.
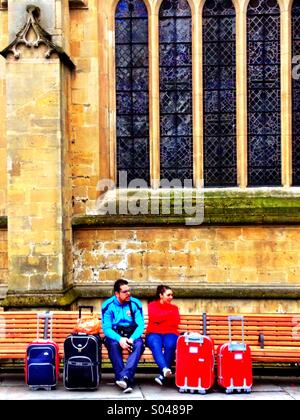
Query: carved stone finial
pixel 34 10
pixel 24 37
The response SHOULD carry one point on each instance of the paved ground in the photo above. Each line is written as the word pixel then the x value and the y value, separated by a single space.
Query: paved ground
pixel 12 387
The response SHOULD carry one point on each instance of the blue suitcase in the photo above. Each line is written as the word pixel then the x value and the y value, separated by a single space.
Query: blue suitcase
pixel 42 357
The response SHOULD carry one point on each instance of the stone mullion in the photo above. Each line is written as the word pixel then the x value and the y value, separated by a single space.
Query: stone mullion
pixel 286 95
pixel 198 98
pixel 241 94
pixel 154 103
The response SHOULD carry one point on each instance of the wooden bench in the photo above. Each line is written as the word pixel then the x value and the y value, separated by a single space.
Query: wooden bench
pixel 18 328
pixel 273 338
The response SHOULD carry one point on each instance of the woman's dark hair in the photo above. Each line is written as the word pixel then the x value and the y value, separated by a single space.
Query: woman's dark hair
pixel 160 290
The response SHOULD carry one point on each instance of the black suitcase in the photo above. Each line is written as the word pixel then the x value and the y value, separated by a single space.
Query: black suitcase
pixel 82 360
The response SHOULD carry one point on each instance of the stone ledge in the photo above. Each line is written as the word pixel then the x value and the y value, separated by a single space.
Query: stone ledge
pixel 200 291
pixel 65 298
pixel 3 222
pixel 36 299
pixel 3 291
pixel 220 208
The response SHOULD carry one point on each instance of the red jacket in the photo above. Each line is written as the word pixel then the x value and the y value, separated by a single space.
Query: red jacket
pixel 163 318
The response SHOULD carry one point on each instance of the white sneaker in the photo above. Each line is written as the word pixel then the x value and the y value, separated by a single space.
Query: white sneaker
pixel 167 373
pixel 128 390
pixel 123 382
pixel 159 380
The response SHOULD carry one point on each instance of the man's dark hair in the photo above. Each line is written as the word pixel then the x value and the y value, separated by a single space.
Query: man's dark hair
pixel 118 284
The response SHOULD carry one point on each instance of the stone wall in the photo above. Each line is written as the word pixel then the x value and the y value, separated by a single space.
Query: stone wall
pixel 204 255
pixel 85 130
pixel 3 258
pixel 3 172
pixel 186 258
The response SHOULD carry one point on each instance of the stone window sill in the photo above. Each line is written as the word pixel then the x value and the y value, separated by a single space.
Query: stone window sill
pixel 221 207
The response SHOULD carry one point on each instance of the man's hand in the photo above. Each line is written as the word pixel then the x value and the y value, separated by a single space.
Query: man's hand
pixel 126 343
pixel 123 343
pixel 130 344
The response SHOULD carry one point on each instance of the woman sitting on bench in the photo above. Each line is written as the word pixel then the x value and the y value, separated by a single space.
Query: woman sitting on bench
pixel 162 331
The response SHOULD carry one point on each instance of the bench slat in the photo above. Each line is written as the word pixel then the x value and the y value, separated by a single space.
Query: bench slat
pixel 281 333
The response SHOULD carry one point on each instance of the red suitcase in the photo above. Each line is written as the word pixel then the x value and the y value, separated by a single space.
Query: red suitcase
pixel 194 363
pixel 235 362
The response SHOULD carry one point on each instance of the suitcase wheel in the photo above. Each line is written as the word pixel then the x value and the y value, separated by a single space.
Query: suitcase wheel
pixel 248 391
pixel 202 392
pixel 181 390
pixel 44 387
pixel 229 391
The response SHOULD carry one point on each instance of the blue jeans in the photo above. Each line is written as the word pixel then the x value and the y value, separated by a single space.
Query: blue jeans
pixel 115 355
pixel 163 347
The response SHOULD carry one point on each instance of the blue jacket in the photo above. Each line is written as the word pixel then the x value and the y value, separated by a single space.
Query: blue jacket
pixel 113 314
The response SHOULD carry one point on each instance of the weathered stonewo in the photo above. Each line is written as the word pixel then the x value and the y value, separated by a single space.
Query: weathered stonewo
pixel 38 206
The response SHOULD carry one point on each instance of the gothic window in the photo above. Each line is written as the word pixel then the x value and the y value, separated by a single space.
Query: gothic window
pixel 264 127
pixel 175 38
pixel 296 93
pixel 132 98
pixel 219 84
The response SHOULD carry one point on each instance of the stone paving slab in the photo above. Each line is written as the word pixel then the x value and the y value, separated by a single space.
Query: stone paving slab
pixel 12 387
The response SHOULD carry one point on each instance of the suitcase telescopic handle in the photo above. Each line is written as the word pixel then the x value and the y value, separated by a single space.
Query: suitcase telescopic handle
pixel 230 321
pixel 91 308
pixel 204 323
pixel 48 316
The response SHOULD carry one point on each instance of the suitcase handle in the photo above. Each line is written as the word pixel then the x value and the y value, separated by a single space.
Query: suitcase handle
pixel 204 323
pixel 230 321
pixel 192 337
pixel 91 308
pixel 48 316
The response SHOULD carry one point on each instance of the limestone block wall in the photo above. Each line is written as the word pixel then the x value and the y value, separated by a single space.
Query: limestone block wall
pixel 35 239
pixel 3 172
pixel 206 255
pixel 233 256
pixel 84 111
pixel 3 258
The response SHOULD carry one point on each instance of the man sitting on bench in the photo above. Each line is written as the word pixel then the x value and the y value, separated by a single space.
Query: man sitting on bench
pixel 123 324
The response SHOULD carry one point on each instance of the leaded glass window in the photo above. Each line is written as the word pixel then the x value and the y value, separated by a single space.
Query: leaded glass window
pixel 132 97
pixel 175 38
pixel 296 94
pixel 219 84
pixel 264 127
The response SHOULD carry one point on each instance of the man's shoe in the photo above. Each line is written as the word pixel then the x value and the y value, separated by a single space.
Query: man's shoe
pixel 123 382
pixel 128 389
pixel 159 380
pixel 167 373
